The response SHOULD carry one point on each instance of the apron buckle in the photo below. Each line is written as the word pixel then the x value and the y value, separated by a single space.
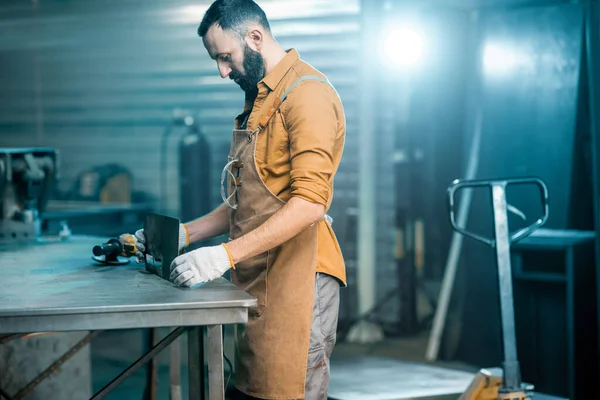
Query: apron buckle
pixel 254 132
pixel 237 181
pixel 238 164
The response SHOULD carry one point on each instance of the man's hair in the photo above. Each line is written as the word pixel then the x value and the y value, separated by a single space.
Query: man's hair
pixel 233 15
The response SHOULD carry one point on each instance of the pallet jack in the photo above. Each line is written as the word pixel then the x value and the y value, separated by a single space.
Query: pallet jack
pixel 501 383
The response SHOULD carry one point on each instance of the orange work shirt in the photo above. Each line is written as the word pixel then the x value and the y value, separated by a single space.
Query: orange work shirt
pixel 298 153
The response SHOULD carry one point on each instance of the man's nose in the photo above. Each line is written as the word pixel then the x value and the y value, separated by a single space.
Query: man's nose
pixel 224 70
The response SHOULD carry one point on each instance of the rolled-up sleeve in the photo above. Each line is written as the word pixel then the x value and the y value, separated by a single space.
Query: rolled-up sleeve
pixel 312 123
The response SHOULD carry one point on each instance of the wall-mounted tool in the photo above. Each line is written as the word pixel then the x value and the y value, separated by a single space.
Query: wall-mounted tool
pixel 116 251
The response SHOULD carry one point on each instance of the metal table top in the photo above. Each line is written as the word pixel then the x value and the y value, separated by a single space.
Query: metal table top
pixel 57 286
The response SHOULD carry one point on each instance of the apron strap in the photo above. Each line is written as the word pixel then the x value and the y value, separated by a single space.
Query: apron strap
pixel 277 103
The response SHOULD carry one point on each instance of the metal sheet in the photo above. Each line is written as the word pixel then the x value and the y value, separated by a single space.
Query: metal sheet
pixel 162 235
pixel 373 378
pixel 62 279
pixel 370 378
pixel 123 320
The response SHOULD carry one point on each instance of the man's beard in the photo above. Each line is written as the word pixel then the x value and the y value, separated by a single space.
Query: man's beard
pixel 254 71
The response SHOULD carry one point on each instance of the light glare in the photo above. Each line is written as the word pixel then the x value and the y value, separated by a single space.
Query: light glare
pixel 501 59
pixel 404 47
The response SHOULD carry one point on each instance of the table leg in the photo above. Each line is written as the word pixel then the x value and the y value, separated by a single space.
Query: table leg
pixel 216 380
pixel 196 363
pixel 175 372
pixel 152 373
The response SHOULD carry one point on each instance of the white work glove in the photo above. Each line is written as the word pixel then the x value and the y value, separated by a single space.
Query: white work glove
pixel 201 265
pixel 140 241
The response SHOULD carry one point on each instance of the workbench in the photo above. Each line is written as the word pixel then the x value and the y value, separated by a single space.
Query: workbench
pixel 53 286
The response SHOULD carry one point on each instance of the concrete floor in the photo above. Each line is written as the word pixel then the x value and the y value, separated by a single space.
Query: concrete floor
pixel 113 351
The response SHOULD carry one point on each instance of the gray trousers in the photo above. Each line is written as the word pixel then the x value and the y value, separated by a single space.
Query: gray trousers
pixel 322 338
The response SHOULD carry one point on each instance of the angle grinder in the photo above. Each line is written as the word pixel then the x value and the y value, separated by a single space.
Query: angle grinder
pixel 113 251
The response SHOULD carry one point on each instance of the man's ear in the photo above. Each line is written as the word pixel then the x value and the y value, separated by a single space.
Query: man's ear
pixel 255 39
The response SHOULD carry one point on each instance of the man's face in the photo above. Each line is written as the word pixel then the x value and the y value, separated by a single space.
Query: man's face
pixel 235 59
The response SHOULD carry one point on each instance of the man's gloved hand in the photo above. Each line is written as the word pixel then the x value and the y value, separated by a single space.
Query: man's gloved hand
pixel 140 243
pixel 201 265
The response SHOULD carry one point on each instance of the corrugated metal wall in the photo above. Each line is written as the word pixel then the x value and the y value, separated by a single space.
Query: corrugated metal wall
pixel 99 81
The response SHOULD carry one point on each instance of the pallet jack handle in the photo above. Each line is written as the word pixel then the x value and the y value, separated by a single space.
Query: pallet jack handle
pixel 498 189
pixel 512 387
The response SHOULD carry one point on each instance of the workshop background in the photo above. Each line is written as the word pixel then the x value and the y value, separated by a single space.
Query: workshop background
pixel 433 91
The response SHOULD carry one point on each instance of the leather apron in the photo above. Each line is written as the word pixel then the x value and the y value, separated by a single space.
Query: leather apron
pixel 272 348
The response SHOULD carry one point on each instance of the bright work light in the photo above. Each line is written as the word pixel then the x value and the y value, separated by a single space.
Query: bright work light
pixel 403 47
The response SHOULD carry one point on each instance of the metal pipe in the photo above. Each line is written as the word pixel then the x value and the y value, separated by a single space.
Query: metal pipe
pixel 139 363
pixel 56 365
pixel 512 375
pixel 367 213
pixel 367 179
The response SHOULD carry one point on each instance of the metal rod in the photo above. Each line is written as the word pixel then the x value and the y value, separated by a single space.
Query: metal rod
pixel 139 363
pixel 216 378
pixel 367 178
pixel 512 378
pixel 56 365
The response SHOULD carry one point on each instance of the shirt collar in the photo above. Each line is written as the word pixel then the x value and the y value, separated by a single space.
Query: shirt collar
pixel 271 81
pixel 281 69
